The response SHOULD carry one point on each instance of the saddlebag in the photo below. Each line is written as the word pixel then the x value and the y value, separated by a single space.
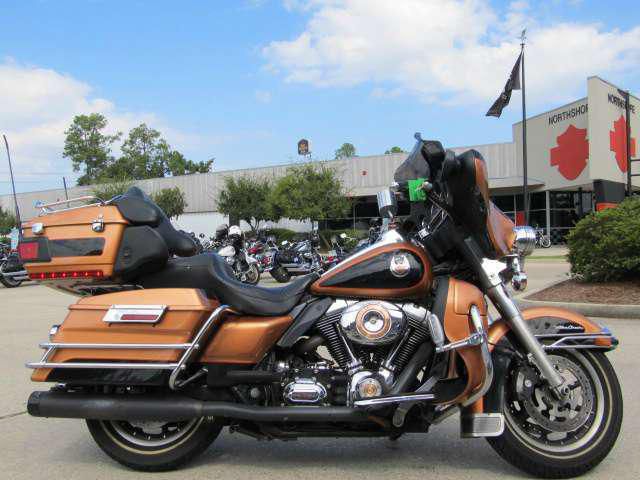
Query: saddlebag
pixel 123 329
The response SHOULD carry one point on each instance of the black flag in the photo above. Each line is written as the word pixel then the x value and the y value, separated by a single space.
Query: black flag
pixel 512 84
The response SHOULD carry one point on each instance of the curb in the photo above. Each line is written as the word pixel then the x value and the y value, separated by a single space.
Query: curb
pixel 586 309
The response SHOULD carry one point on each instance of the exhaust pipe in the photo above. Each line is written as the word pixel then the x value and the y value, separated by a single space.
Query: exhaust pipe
pixel 176 407
pixel 19 275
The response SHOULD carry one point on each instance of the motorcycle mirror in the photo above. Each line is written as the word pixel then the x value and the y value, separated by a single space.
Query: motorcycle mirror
pixel 387 204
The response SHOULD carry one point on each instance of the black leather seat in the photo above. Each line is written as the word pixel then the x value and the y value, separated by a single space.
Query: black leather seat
pixel 212 274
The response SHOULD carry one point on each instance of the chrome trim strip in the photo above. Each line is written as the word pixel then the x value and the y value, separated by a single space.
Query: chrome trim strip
pixel 116 312
pixel 419 397
pixel 107 365
pixel 113 346
pixel 560 343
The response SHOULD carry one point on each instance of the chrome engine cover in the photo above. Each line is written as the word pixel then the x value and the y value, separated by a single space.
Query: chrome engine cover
pixel 305 390
pixel 373 322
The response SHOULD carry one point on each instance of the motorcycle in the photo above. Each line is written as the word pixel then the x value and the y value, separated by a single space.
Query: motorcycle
pixel 245 266
pixel 393 340
pixel 298 258
pixel 542 239
pixel 375 230
pixel 12 272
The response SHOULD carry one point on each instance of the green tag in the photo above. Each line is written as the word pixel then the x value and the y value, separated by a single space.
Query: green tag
pixel 416 194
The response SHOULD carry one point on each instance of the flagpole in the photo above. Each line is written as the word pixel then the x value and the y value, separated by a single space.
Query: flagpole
pixel 13 185
pixel 525 196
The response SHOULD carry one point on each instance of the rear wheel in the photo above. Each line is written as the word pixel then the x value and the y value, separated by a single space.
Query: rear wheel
pixel 154 446
pixel 551 438
pixel 280 274
pixel 8 281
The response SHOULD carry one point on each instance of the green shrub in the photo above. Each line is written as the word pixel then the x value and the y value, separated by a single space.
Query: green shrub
pixel 606 245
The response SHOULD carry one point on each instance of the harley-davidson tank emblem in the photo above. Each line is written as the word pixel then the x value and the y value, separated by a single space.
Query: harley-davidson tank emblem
pixel 400 265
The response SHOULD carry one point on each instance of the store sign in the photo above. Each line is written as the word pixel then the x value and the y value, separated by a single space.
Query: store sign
pixel 608 131
pixel 558 146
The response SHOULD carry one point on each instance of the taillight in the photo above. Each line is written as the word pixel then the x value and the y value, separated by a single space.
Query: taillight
pixel 67 275
pixel 28 250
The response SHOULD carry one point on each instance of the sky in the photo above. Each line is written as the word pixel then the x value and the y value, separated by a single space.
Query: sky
pixel 242 81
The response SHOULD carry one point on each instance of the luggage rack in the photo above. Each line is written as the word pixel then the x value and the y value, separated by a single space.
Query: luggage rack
pixel 190 349
pixel 46 208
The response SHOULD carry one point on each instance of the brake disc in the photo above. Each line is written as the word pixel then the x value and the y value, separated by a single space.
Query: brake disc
pixel 546 409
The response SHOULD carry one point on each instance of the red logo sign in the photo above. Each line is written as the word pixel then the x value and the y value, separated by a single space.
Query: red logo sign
pixel 618 143
pixel 572 152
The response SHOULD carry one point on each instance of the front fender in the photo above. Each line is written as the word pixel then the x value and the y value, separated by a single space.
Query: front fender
pixel 561 321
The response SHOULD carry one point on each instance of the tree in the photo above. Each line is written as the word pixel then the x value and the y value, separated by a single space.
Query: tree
pixel 345 151
pixel 248 199
pixel 112 188
pixel 7 221
pixel 171 201
pixel 145 154
pixel 310 192
pixel 88 147
pixel 394 150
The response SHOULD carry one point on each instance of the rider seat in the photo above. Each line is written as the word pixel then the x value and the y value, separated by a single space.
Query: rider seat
pixel 212 274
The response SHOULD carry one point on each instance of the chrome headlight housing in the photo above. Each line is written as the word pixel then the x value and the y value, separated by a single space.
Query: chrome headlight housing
pixel 525 241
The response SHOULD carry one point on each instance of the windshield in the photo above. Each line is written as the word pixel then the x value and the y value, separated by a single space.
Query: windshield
pixel 414 166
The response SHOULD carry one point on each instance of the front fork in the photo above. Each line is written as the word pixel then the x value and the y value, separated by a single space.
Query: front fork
pixel 511 314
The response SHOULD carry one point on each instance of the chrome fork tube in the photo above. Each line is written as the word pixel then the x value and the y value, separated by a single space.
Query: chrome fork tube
pixel 511 313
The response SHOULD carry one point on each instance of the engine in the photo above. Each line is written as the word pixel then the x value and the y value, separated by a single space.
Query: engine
pixel 371 341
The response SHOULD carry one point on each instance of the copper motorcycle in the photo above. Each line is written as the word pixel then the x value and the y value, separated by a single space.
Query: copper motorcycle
pixel 164 348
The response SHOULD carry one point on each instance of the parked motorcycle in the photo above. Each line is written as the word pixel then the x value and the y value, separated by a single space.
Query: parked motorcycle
pixel 297 258
pixel 12 272
pixel 392 340
pixel 542 239
pixel 245 266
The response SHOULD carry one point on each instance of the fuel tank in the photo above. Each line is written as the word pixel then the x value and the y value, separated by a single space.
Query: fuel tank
pixel 395 269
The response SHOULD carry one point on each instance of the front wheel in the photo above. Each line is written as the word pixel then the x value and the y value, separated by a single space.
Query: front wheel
pixel 545 241
pixel 154 446
pixel 252 275
pixel 551 438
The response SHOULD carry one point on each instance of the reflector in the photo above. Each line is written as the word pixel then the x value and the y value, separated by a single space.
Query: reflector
pixel 28 250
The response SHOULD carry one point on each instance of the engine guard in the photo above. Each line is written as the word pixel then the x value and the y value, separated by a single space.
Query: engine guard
pixel 559 328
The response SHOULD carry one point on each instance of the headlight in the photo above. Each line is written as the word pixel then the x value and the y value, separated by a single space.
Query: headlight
pixel 525 240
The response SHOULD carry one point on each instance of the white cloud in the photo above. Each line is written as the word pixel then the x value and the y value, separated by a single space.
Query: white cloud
pixel 38 104
pixel 263 96
pixel 446 50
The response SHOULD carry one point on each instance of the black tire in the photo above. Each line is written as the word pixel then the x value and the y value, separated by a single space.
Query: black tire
pixel 562 461
pixel 113 438
pixel 280 274
pixel 253 274
pixel 545 241
pixel 7 282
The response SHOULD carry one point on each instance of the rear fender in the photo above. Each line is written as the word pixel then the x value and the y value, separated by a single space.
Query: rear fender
pixel 553 324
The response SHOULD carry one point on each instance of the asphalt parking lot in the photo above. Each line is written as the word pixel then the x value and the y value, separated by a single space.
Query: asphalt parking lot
pixel 53 448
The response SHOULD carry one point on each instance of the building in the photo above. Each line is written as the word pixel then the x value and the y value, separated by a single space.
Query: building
pixel 576 160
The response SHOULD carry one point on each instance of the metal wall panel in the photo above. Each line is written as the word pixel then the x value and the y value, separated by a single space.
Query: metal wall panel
pixel 360 175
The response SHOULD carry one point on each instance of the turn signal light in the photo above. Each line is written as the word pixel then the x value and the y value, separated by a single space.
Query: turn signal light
pixel 67 275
